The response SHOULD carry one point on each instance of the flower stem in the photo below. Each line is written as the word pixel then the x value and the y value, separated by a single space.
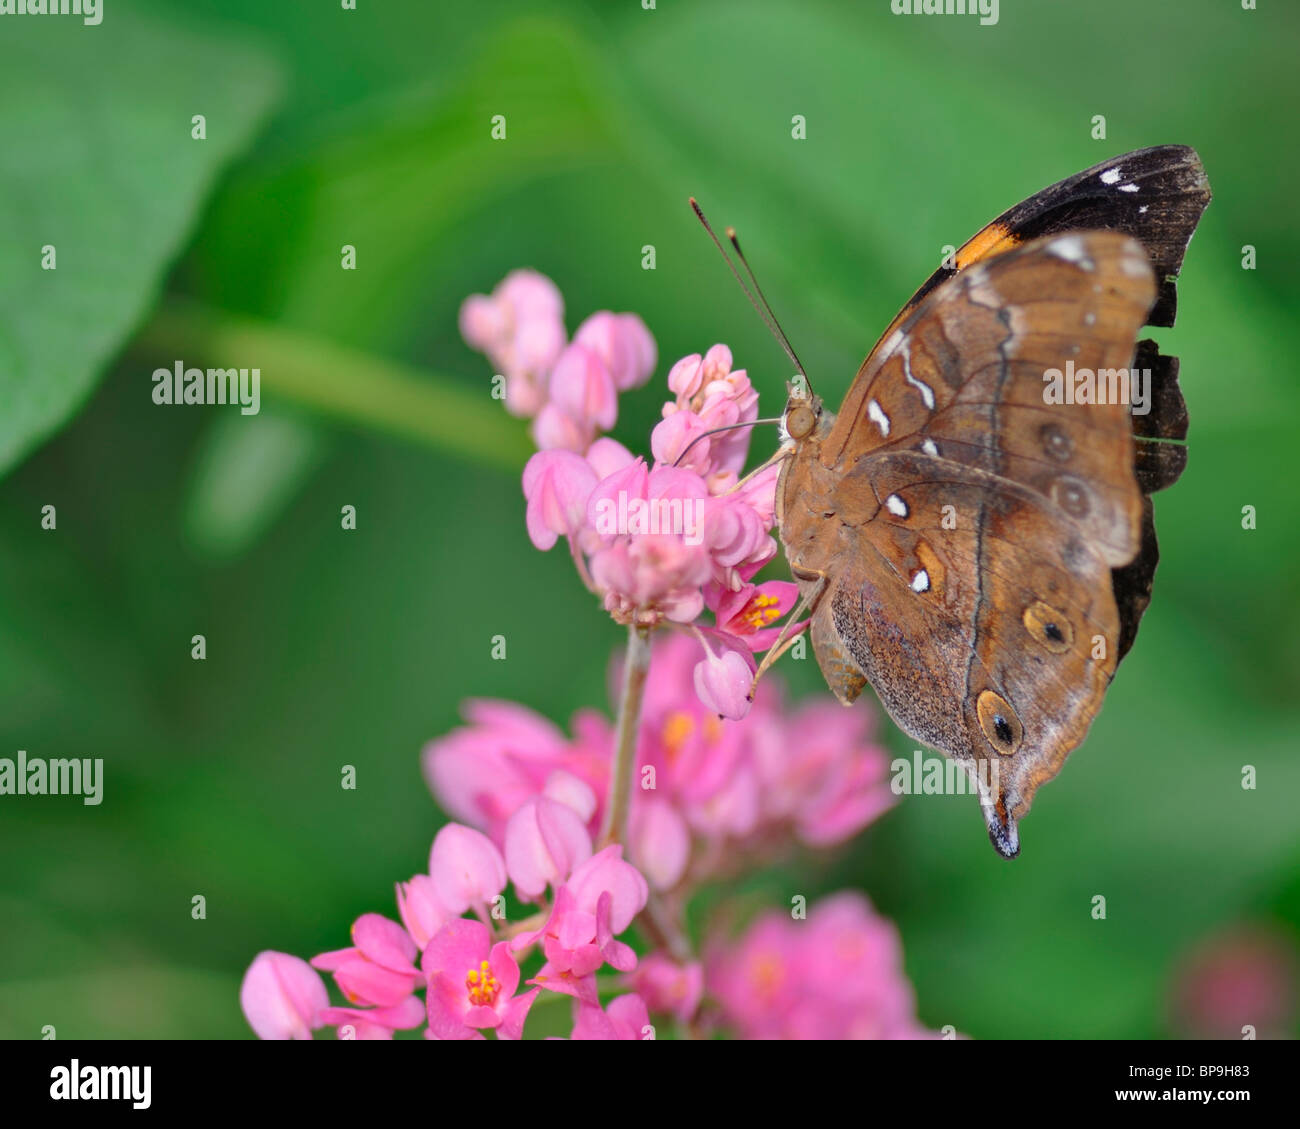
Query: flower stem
pixel 636 665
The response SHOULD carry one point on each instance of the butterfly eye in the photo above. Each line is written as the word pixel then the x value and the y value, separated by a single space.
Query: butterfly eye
pixel 1049 627
pixel 998 720
pixel 799 422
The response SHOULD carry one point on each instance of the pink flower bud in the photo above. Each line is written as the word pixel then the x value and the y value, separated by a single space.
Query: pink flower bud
pixel 545 840
pixel 466 867
pixel 421 911
pixel 623 343
pixel 582 387
pixel 723 679
pixel 282 998
pixel 557 485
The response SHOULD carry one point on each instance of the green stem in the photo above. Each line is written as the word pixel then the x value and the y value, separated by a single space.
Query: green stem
pixel 347 384
pixel 636 665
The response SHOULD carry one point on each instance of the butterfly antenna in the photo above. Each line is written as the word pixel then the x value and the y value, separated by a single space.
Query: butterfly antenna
pixel 714 431
pixel 760 302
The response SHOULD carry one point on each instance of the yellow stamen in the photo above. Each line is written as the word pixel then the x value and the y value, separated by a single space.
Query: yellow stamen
pixel 483 986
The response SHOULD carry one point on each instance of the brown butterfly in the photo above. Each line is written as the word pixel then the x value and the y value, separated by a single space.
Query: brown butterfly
pixel 970 535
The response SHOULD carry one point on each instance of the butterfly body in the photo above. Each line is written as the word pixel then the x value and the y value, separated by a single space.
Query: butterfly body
pixel 976 548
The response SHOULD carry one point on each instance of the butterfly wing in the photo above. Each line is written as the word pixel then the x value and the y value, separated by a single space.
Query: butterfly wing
pixel 1155 195
pixel 979 523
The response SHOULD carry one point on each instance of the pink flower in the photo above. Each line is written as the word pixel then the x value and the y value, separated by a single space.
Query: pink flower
pixel 375 1023
pixel 557 485
pixel 1242 976
pixel 606 873
pixel 709 395
pixel 378 970
pixel 837 975
pixel 282 998
pixel 724 676
pixel 600 899
pixel 521 329
pixel 669 987
pixel 545 840
pixel 810 773
pixel 422 913
pixel 467 869
pixel 649 560
pixel 623 1018
pixel 660 841
pixel 583 401
pixel 649 540
pixel 624 345
pixel 472 984
pixel 483 771
pixel 831 781
pixel 750 613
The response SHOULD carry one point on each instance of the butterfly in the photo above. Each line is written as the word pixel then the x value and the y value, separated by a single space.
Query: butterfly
pixel 972 533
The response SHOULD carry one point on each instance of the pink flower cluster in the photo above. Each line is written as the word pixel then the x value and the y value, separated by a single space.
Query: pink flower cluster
pixel 468 967
pixel 837 975
pixel 569 389
pixel 663 544
pixel 660 542
pixel 708 793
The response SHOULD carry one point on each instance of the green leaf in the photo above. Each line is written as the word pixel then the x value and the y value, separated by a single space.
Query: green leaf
pixel 98 163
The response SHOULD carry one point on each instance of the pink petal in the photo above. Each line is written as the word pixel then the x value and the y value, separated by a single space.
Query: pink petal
pixel 573 791
pixel 606 872
pixel 545 839
pixel 662 842
pixel 282 997
pixel 384 942
pixel 466 867
pixel 582 387
pixel 607 455
pixel 557 485
pixel 457 947
pixel 512 1025
pixel 421 911
pixel 723 680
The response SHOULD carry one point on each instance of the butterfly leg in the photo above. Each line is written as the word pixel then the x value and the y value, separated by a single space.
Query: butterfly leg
pixel 782 453
pixel 812 585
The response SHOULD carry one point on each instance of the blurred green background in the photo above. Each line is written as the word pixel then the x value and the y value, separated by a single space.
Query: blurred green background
pixel 328 127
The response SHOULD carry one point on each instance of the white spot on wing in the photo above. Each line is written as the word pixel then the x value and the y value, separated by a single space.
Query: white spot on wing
pixel 1111 176
pixel 876 414
pixel 1071 249
pixel 920 581
pixel 896 506
pixel 927 393
pixel 1128 187
pixel 929 447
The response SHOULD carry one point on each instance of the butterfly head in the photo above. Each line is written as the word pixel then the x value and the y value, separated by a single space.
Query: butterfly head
pixel 803 416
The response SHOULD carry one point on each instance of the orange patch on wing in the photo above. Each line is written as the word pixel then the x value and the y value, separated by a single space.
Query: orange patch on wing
pixel 993 240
